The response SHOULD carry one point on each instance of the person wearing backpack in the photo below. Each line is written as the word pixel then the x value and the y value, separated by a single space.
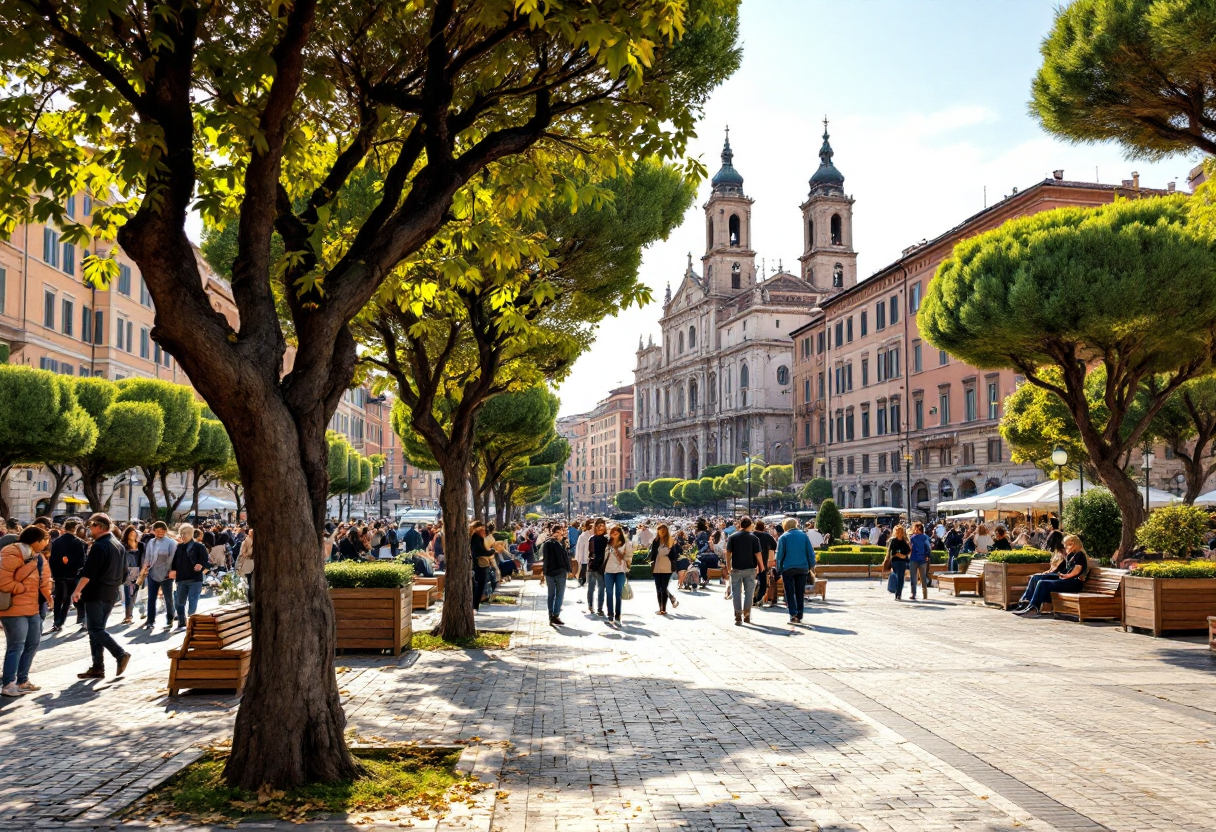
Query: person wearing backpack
pixel 25 581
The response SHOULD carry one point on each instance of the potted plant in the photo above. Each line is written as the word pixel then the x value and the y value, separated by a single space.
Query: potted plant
pixel 1169 595
pixel 372 604
pixel 1006 574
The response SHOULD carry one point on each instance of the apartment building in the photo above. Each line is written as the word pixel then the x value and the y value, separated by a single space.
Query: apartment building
pixel 575 475
pixel 881 412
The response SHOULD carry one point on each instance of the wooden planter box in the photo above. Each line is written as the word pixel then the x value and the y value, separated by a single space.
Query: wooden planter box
pixel 373 619
pixel 437 582
pixel 1163 604
pixel 845 570
pixel 1004 583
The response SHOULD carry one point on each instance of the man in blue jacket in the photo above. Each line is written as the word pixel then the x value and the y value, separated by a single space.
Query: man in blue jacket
pixel 795 560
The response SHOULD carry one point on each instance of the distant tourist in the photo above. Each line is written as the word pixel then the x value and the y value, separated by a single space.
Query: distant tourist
pixel 101 580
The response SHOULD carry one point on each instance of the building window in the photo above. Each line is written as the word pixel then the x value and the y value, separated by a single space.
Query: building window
pixel 864 326
pixel 681 347
pixel 806 391
pixel 99 327
pixel 848 329
pixel 848 376
pixel 894 316
pixel 994 451
pixel 124 279
pixel 806 434
pixel 145 297
pixel 839 333
pixel 836 230
pixel 88 206
pixel 86 324
pixel 783 375
pixel 916 361
pixel 880 369
pixel 736 280
pixel 849 433
pixel 944 458
pixel 943 408
pixel 819 344
pixel 50 247
pixel 837 276
pixel 734 229
pixel 48 309
pixel 893 363
pixel 68 316
pixel 69 258
pixel 3 287
pixel 865 424
pixel 880 421
pixel 51 364
pixel 918 409
pixel 969 405
pixel 914 298
pixel 821 391
pixel 143 342
pixel 865 372
pixel 69 206
pixel 839 465
pixel 942 358
pixel 895 417
pixel 895 462
pixel 880 316
pixel 882 463
pixel 851 466
pixel 969 454
pixel 865 463
pixel 994 403
pixel 744 378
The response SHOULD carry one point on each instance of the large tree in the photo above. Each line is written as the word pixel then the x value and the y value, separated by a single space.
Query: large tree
pixel 1126 287
pixel 509 429
pixel 208 458
pixel 128 435
pixel 1138 72
pixel 1187 425
pixel 259 114
pixel 508 297
pixel 183 415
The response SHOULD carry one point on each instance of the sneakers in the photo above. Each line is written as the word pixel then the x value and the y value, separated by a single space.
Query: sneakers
pixel 674 602
pixel 793 620
pixel 27 686
pixel 54 629
pixel 11 689
pixel 1029 612
pixel 92 673
pixel 123 661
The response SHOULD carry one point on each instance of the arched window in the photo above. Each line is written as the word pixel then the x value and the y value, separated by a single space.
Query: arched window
pixel 897 495
pixel 783 375
pixel 681 343
pixel 692 396
pixel 736 279
pixel 658 405
pixel 743 378
pixel 836 235
pixel 709 233
pixel 734 229
pixel 692 337
pixel 713 388
pixel 810 234
pixel 945 490
pixel 680 401
pixel 838 276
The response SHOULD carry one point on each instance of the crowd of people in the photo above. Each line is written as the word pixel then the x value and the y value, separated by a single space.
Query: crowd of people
pixel 50 569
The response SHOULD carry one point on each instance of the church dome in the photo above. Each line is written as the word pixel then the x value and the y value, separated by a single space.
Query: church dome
pixel 827 179
pixel 727 180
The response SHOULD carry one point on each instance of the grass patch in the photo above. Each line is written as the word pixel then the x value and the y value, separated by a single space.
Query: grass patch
pixel 482 641
pixel 502 599
pixel 423 780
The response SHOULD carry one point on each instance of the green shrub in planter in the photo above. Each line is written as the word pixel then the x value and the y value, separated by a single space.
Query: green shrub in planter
pixel 1187 570
pixel 1020 556
pixel 829 521
pixel 832 557
pixel 1096 519
pixel 1174 530
pixel 641 556
pixel 353 574
pixel 640 572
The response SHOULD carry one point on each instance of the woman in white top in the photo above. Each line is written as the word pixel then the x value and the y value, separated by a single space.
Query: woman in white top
pixel 617 560
pixel 983 540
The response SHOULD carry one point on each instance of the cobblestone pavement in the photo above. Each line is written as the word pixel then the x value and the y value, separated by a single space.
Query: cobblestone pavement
pixel 877 716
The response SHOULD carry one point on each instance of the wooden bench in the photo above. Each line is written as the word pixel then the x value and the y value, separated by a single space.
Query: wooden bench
pixel 437 582
pixel 424 596
pixel 820 588
pixel 710 574
pixel 215 653
pixel 1212 632
pixel 970 581
pixel 1100 597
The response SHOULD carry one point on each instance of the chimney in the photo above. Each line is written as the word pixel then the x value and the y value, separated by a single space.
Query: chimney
pixel 1136 180
pixel 1169 186
pixel 1058 175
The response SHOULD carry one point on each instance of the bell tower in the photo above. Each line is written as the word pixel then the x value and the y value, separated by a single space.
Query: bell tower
pixel 729 262
pixel 829 262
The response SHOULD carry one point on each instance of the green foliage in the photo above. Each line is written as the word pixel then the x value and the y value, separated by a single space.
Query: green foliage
pixel 852 548
pixel 628 501
pixel 1174 530
pixel 640 571
pixel 1020 556
pixel 1094 517
pixel 715 471
pixel 661 491
pixel 350 574
pixel 1186 570
pixel 1036 422
pixel 829 521
pixel 182 415
pixel 835 556
pixel 817 490
pixel 642 489
pixel 1137 72
pixel 778 477
pixel 128 434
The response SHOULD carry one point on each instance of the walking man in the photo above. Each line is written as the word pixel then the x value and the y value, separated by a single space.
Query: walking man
pixel 67 557
pixel 556 559
pixel 597 550
pixel 744 559
pixel 158 562
pixel 99 588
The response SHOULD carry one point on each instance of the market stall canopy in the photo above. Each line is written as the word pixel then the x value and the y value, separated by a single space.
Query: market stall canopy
pixel 877 511
pixel 207 502
pixel 1208 499
pixel 1046 495
pixel 984 502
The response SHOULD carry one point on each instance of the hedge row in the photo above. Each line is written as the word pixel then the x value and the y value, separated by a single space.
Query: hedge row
pixel 353 574
pixel 1020 556
pixel 1190 570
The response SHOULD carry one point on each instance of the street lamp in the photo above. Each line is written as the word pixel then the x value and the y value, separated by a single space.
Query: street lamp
pixel 748 457
pixel 1148 466
pixel 908 481
pixel 1059 458
pixel 381 478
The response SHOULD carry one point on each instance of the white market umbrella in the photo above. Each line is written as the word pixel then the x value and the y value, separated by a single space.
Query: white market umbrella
pixel 986 501
pixel 1046 495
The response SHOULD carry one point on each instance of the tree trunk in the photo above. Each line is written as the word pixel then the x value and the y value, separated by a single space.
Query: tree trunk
pixel 457 619
pixel 236 496
pixel 91 486
pixel 194 499
pixel 1130 498
pixel 286 739
pixel 61 474
pixel 149 489
pixel 4 472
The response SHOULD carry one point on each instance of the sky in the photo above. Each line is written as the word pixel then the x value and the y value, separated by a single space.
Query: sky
pixel 927 107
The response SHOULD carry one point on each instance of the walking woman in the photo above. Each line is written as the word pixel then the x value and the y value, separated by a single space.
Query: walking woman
pixel 135 555
pixel 483 561
pixel 27 578
pixel 664 554
pixel 617 560
pixel 919 560
pixel 898 552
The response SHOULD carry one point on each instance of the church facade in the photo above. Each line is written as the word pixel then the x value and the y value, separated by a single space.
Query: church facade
pixel 718 386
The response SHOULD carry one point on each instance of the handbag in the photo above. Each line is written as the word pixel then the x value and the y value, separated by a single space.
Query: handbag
pixel 627 591
pixel 886 562
pixel 44 608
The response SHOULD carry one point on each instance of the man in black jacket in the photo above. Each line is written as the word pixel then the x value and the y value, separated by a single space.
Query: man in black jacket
pixel 98 590
pixel 67 558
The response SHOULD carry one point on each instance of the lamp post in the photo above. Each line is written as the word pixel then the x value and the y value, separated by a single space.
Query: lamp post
pixel 908 480
pixel 381 478
pixel 1059 458
pixel 569 500
pixel 1148 466
pixel 748 457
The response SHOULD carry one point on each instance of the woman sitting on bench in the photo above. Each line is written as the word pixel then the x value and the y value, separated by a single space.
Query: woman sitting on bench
pixel 1068 577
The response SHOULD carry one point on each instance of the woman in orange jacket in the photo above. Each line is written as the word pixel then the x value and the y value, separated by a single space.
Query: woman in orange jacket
pixel 26 577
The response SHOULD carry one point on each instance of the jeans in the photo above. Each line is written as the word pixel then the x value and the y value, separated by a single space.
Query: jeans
pixel 795 592
pixel 662 580
pixel 96 614
pixel 156 588
pixel 557 593
pixel 594 580
pixel 953 567
pixel 129 591
pixel 63 601
pixel 582 574
pixel 920 571
pixel 899 568
pixel 761 586
pixel 22 633
pixel 188 590
pixel 1038 592
pixel 742 588
pixel 614 585
pixel 481 579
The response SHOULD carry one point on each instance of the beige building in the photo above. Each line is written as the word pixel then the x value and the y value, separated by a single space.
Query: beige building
pixel 601 444
pixel 719 385
pixel 873 396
